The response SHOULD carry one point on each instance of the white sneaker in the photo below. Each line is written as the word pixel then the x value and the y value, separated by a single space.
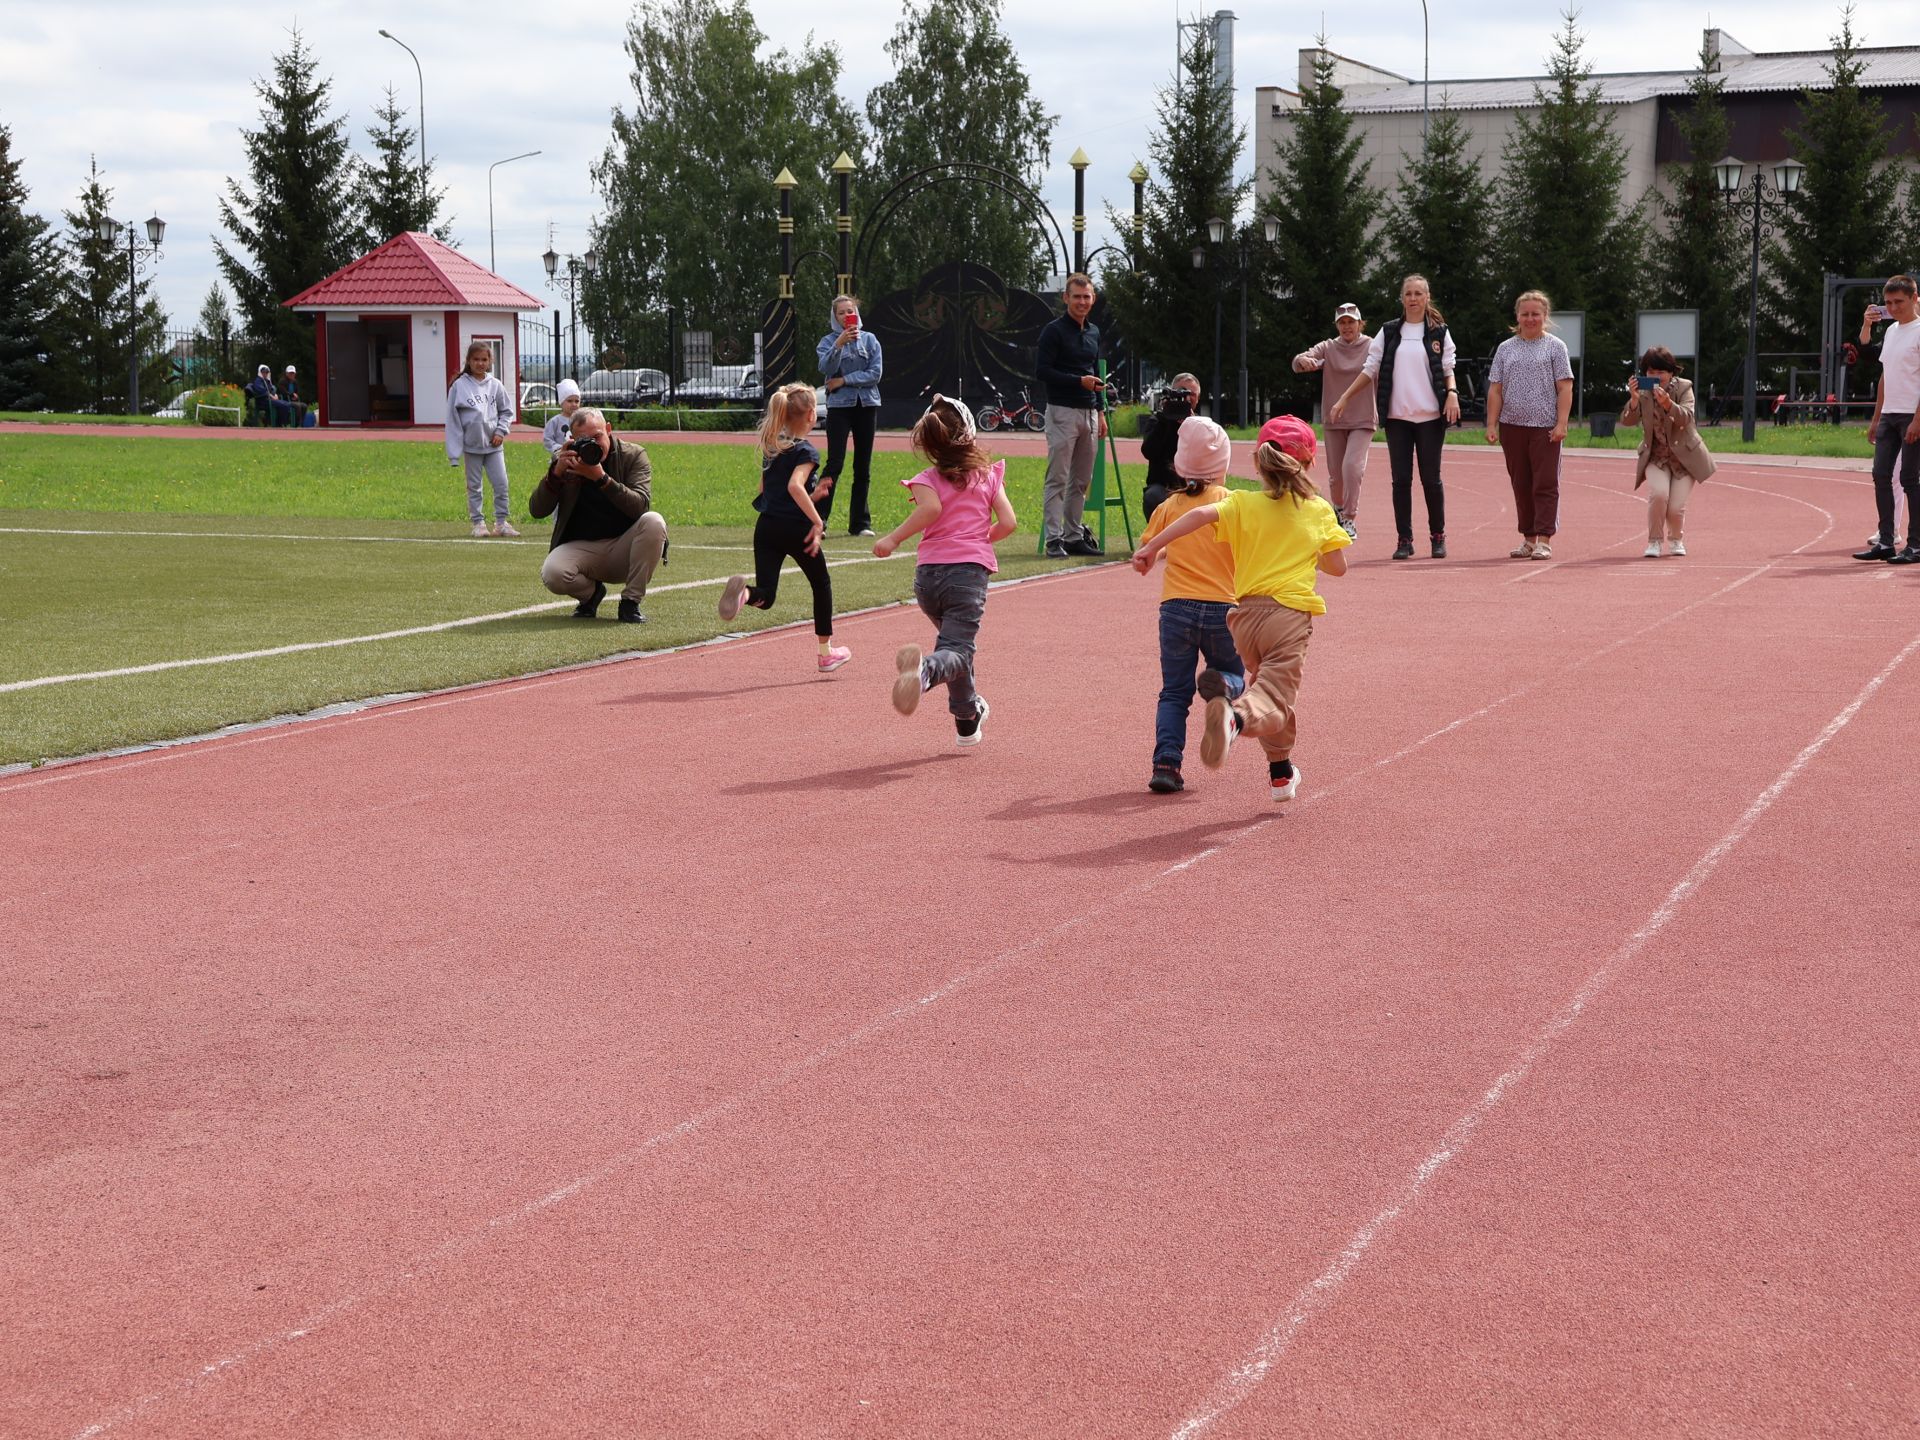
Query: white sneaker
pixel 1285 790
pixel 506 531
pixel 1522 551
pixel 730 597
pixel 911 681
pixel 1676 547
pixel 965 738
pixel 480 531
pixel 1222 728
pixel 1652 552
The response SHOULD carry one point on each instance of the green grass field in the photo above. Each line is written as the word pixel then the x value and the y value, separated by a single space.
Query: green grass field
pixel 216 547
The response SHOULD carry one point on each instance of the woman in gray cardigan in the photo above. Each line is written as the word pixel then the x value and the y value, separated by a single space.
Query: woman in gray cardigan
pixel 1341 362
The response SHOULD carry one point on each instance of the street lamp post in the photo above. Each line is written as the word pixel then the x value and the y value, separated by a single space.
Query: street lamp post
pixel 422 79
pixel 108 230
pixel 492 264
pixel 1217 231
pixel 576 264
pixel 1760 206
pixel 1426 68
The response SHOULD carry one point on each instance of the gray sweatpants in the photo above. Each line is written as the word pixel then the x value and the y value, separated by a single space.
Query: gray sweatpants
pixel 1346 468
pixel 1072 437
pixel 954 597
pixel 495 464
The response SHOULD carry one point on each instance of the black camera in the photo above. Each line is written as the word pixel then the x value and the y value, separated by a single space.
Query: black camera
pixel 1176 402
pixel 588 449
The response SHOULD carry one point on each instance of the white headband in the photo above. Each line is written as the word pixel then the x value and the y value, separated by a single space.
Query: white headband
pixel 967 432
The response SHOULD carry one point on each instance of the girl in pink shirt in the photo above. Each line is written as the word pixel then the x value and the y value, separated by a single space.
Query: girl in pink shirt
pixel 960 508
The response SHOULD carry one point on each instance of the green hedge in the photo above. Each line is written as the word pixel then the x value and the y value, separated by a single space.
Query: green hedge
pixel 728 418
pixel 224 395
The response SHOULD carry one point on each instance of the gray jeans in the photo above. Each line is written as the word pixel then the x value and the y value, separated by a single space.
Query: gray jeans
pixel 954 597
pixel 494 463
pixel 1072 437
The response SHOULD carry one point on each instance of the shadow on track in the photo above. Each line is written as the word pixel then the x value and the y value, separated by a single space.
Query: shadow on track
pixel 866 777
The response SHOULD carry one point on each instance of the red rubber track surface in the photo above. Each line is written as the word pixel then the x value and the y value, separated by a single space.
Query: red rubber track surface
pixel 694 1047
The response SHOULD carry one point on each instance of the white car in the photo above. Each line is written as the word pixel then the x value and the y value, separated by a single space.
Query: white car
pixel 536 395
pixel 177 410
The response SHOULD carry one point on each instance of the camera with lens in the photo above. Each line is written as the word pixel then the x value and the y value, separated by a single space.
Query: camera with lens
pixel 588 449
pixel 1176 402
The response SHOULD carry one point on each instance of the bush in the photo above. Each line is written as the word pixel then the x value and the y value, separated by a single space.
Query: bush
pixel 223 395
pixel 730 418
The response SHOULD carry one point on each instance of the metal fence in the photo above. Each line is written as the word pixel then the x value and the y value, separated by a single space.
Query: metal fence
pixel 193 359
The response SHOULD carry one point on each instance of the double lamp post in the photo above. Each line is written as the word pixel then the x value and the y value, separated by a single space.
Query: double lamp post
pixel 1762 205
pixel 1217 230
pixel 108 229
pixel 577 265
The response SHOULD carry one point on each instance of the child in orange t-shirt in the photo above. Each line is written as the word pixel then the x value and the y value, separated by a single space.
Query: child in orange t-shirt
pixel 1195 596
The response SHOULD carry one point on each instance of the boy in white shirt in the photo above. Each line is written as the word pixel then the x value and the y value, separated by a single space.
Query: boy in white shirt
pixel 1895 429
pixel 559 427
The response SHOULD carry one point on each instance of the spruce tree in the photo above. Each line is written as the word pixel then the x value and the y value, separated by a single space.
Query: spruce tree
pixel 1437 225
pixel 1562 226
pixel 1845 218
pixel 388 196
pixel 89 325
pixel 1324 208
pixel 1166 307
pixel 293 223
pixel 213 333
pixel 943 49
pixel 1705 256
pixel 27 277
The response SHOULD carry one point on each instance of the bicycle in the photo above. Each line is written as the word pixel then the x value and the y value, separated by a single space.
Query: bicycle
pixel 993 416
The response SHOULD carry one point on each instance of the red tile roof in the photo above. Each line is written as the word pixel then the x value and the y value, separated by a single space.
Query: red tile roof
pixel 415 270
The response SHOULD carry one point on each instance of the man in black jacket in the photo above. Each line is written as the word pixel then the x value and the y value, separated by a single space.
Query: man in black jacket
pixel 1066 367
pixel 606 528
pixel 1178 401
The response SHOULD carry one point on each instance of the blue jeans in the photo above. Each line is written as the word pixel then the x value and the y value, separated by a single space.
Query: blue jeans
pixel 1190 629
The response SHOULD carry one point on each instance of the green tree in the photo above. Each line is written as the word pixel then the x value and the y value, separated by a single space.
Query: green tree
pixel 1845 219
pixel 1705 259
pixel 1436 225
pixel 1165 307
pixel 294 223
pixel 27 277
pixel 1562 225
pixel 213 334
pixel 1324 208
pixel 687 179
pixel 388 198
pixel 88 328
pixel 958 93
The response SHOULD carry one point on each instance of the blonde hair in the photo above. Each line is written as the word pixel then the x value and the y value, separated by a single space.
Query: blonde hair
pixel 1523 298
pixel 1282 475
pixel 475 347
pixel 1432 309
pixel 944 437
pixel 833 307
pixel 789 418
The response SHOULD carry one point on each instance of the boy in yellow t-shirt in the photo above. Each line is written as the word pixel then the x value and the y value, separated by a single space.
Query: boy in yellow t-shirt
pixel 1195 596
pixel 1280 540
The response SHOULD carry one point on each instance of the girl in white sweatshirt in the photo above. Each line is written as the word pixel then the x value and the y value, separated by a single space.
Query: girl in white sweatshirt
pixel 479 414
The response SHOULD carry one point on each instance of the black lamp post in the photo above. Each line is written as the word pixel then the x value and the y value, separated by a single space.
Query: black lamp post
pixel 1762 205
pixel 1217 230
pixel 422 80
pixel 108 230
pixel 576 264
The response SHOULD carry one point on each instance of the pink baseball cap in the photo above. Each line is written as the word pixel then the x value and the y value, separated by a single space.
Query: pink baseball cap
pixel 1293 435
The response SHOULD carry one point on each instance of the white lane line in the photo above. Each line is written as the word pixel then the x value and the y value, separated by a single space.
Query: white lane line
pixel 492 543
pixel 306 645
pixel 1325 1288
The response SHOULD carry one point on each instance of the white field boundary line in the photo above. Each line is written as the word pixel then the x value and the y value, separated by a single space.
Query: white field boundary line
pixel 1556 564
pixel 304 646
pixel 1326 1288
pixel 422 1266
pixel 491 543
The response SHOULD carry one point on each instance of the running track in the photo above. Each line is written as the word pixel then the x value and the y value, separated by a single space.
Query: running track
pixel 1548 1070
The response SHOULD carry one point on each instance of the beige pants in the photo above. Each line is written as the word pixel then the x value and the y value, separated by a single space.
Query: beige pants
pixel 1346 468
pixel 1272 641
pixel 572 568
pixel 1667 493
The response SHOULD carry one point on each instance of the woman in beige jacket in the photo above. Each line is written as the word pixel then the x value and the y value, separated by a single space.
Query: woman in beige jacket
pixel 1673 457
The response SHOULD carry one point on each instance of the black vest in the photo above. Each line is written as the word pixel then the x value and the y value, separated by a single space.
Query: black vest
pixel 1436 343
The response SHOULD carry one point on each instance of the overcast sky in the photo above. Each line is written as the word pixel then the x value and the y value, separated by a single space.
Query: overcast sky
pixel 159 93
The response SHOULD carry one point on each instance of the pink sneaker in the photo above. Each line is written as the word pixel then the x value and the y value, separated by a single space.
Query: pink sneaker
pixel 732 595
pixel 836 656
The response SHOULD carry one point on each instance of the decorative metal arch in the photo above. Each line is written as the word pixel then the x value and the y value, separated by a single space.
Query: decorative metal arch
pixel 926 178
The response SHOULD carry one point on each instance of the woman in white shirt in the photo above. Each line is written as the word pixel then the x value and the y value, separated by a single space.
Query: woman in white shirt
pixel 1411 363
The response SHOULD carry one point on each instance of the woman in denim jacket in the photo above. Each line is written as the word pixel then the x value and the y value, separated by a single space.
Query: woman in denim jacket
pixel 850 361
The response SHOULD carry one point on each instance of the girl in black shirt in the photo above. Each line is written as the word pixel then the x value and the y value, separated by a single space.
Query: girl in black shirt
pixel 789 525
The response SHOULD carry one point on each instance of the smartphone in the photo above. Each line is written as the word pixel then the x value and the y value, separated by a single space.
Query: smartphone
pixel 851 321
pixel 1877 313
pixel 1647 384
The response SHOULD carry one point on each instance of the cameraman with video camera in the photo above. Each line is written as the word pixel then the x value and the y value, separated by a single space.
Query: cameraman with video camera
pixel 605 528
pixel 1177 404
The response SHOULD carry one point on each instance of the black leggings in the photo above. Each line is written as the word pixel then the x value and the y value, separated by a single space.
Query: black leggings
pixel 776 537
pixel 858 421
pixel 1405 439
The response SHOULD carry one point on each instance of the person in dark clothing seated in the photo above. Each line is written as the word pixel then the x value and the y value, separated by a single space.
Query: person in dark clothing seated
pixel 605 527
pixel 1177 403
pixel 265 402
pixel 290 396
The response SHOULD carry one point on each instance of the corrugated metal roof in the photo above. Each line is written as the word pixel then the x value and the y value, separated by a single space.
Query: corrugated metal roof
pixel 1796 70
pixel 414 270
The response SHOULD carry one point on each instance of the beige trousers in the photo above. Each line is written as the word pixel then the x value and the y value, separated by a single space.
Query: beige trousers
pixel 572 568
pixel 1667 493
pixel 1272 641
pixel 1346 468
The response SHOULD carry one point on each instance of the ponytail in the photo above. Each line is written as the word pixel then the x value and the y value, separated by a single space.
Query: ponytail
pixel 1281 475
pixel 789 417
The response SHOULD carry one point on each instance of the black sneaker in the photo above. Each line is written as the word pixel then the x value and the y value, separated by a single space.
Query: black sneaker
pixel 628 612
pixel 590 607
pixel 1056 550
pixel 967 732
pixel 1403 551
pixel 1877 552
pixel 1439 547
pixel 1908 556
pixel 1166 780
pixel 1212 685
pixel 1085 545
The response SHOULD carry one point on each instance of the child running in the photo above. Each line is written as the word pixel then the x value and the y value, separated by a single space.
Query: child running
pixel 1195 597
pixel 1280 538
pixel 789 525
pixel 960 503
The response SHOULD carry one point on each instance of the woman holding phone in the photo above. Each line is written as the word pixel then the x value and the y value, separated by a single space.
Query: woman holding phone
pixel 1673 457
pixel 1411 362
pixel 850 361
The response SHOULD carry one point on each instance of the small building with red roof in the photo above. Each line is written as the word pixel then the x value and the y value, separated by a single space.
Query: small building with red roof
pixel 393 328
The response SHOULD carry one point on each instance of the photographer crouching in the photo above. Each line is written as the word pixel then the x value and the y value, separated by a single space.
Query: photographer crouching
pixel 1177 403
pixel 605 529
